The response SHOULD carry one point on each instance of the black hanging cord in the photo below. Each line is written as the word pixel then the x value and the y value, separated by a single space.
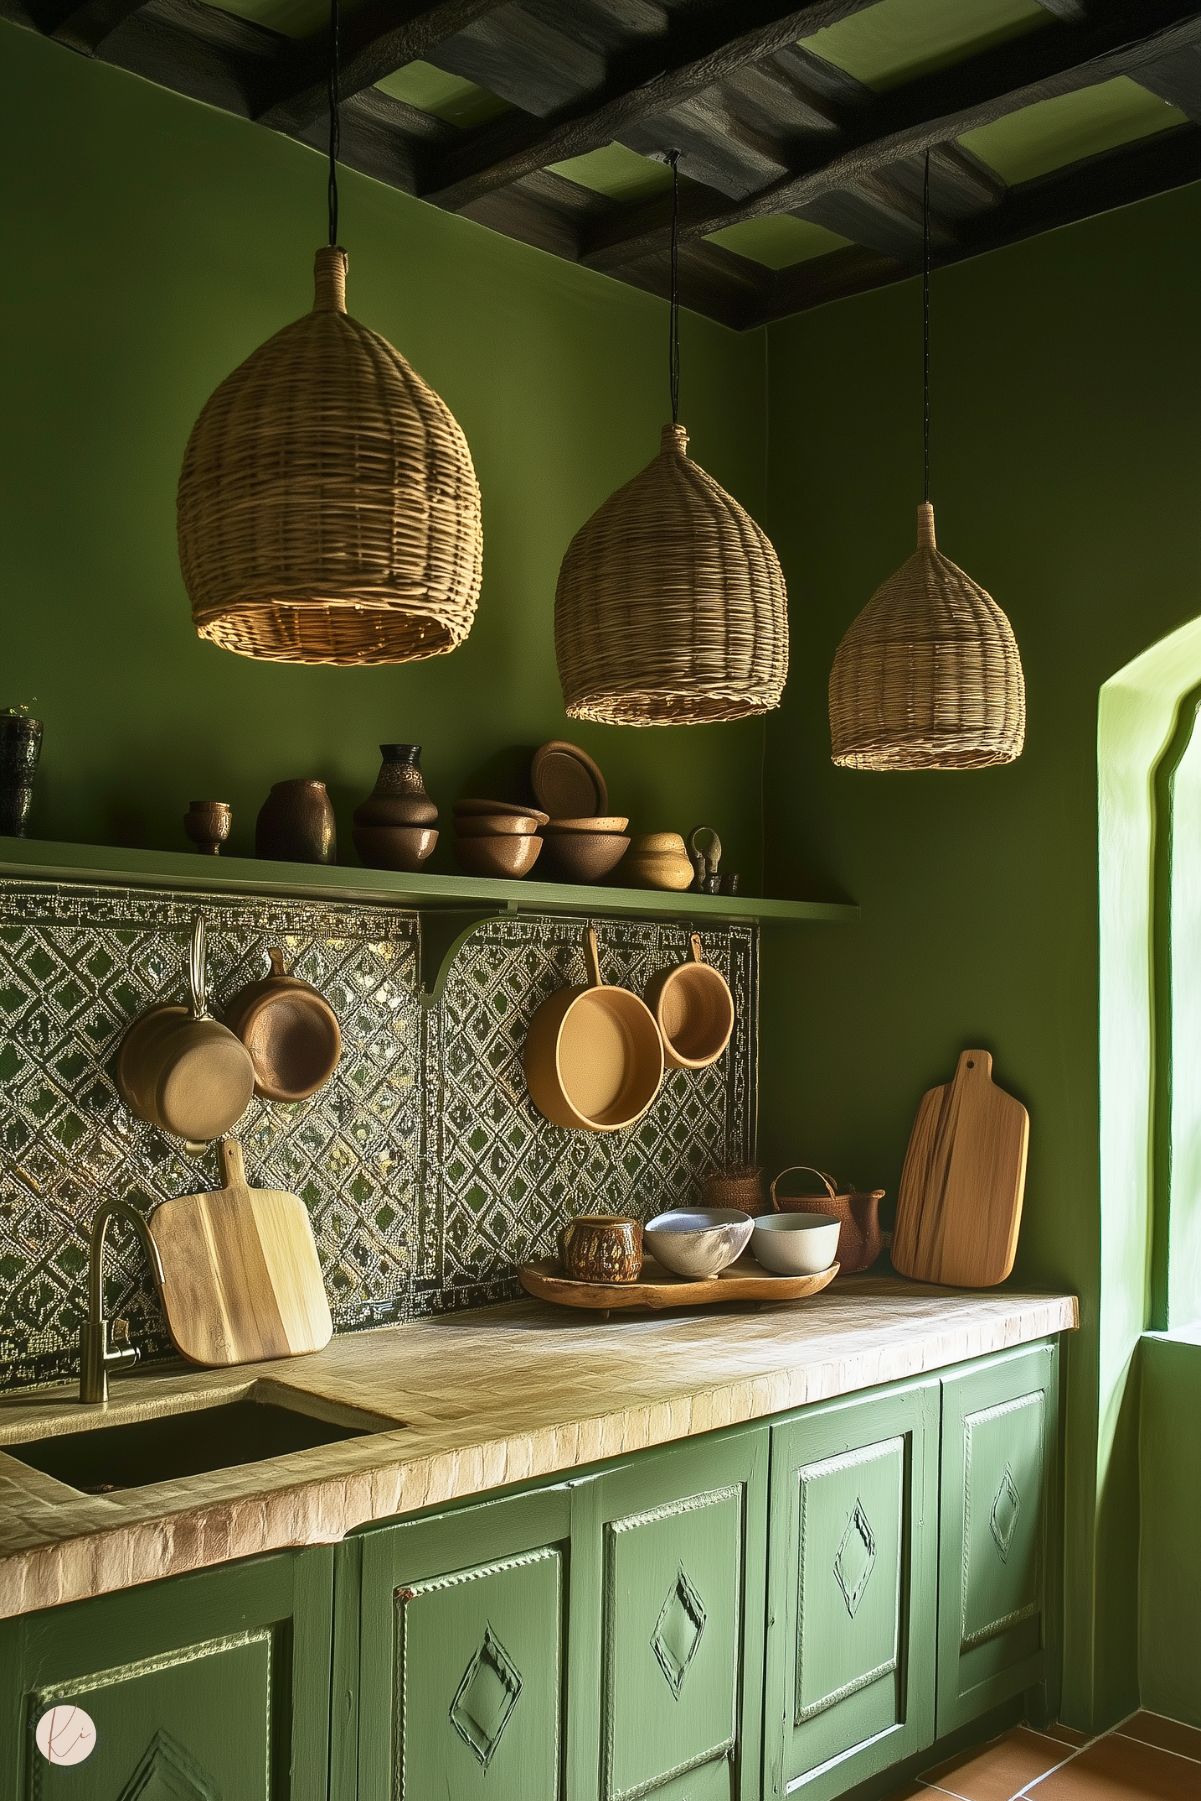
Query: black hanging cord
pixel 335 72
pixel 926 332
pixel 673 325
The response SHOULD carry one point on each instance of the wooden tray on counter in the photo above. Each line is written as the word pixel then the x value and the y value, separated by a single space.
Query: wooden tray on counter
pixel 656 1287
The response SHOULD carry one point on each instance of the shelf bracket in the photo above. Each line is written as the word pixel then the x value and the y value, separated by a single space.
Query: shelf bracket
pixel 442 932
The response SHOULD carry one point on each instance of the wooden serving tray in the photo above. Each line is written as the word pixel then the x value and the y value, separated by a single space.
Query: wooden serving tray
pixel 656 1287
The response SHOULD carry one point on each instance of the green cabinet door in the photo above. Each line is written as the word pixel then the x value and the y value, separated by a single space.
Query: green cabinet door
pixel 681 1621
pixel 461 1693
pixel 851 1591
pixel 998 1457
pixel 213 1687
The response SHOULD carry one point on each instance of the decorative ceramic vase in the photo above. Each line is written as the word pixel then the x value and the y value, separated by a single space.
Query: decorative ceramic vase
pixel 20 748
pixel 391 827
pixel 207 823
pixel 296 824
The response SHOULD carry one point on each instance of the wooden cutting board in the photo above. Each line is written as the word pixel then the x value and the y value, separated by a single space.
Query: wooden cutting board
pixel 960 1202
pixel 241 1276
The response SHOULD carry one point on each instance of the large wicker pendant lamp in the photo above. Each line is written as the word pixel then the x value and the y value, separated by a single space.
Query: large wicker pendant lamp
pixel 670 607
pixel 928 676
pixel 328 508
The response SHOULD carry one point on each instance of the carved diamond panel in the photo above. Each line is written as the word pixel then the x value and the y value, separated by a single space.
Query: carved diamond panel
pixel 485 1699
pixel 1004 1517
pixel 167 1773
pixel 678 1632
pixel 855 1558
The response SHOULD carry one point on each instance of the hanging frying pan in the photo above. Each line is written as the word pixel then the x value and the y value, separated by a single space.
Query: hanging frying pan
pixel 593 1056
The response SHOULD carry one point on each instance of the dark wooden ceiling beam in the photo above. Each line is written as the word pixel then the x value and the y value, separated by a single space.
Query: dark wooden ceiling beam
pixel 377 39
pixel 930 111
pixel 698 51
pixel 1177 79
pixel 84 27
pixel 1170 159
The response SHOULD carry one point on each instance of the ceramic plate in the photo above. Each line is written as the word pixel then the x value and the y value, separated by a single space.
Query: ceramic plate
pixel 567 783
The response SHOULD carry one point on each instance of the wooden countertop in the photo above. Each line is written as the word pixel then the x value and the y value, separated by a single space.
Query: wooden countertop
pixel 467 1402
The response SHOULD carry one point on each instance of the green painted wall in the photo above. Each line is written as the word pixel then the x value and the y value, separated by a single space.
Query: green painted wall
pixel 154 243
pixel 1066 469
pixel 1170 1562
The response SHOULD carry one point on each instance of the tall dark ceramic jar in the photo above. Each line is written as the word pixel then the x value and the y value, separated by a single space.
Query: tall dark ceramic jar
pixel 400 796
pixel 296 824
pixel 20 748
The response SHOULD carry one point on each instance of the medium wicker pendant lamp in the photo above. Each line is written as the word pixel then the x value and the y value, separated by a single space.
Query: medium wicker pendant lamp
pixel 928 676
pixel 670 607
pixel 328 509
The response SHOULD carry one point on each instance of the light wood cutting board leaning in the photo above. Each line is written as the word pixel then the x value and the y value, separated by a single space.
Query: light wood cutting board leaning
pixel 959 1206
pixel 242 1279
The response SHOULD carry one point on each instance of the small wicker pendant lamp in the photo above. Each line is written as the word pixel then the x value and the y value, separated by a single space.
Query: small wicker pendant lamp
pixel 670 607
pixel 328 509
pixel 928 675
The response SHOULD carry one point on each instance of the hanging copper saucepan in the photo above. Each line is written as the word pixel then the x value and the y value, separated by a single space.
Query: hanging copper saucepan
pixel 693 1009
pixel 593 1056
pixel 181 1069
pixel 290 1031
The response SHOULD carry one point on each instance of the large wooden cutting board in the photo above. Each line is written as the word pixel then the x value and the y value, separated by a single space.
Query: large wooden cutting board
pixel 960 1202
pixel 241 1276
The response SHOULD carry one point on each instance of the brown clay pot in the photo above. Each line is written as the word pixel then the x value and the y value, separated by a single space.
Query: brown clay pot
pixel 598 1248
pixel 693 1009
pixel 296 824
pixel 400 796
pixel 290 1032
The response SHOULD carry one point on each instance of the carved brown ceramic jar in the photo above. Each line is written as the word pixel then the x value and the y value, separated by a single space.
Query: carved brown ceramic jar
pixel 598 1248
pixel 393 827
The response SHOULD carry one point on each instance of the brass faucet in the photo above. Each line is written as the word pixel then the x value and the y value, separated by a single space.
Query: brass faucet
pixel 97 1356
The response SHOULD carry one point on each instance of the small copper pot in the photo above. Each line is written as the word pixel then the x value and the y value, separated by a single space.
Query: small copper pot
pixel 598 1248
pixel 290 1031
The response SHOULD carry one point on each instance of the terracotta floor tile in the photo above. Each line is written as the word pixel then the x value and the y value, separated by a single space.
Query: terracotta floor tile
pixel 1001 1769
pixel 1121 1769
pixel 1156 1729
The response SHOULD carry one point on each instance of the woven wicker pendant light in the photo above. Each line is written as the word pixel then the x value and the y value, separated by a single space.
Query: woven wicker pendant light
pixel 328 509
pixel 670 607
pixel 928 676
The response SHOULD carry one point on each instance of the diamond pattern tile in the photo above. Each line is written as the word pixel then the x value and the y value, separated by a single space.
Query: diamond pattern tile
pixel 678 1632
pixel 426 1169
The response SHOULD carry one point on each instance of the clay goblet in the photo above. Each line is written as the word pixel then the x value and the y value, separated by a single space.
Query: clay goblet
pixel 207 823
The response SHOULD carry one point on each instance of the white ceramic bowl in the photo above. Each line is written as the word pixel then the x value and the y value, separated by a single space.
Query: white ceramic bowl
pixel 698 1241
pixel 795 1244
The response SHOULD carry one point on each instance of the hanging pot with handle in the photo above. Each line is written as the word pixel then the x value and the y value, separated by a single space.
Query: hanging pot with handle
pixel 861 1239
pixel 290 1031
pixel 593 1055
pixel 693 1009
pixel 181 1069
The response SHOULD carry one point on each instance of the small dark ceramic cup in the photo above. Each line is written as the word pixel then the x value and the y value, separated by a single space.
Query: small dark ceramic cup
pixel 598 1248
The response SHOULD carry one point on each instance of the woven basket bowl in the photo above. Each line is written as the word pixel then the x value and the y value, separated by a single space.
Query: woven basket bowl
pixel 670 608
pixel 328 509
pixel 928 676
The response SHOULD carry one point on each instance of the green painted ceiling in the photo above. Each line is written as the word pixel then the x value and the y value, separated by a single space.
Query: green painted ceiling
pixel 613 170
pixel 897 39
pixel 450 97
pixel 1051 133
pixel 779 241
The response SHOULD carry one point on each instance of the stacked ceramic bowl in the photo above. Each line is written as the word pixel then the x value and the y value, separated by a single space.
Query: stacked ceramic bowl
pixel 584 850
pixel 497 837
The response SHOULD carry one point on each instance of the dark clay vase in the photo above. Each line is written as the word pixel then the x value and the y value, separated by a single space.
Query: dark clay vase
pixel 393 826
pixel 296 824
pixel 20 748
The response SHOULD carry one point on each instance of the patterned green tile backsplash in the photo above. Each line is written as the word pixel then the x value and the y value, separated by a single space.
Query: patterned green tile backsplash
pixel 425 1168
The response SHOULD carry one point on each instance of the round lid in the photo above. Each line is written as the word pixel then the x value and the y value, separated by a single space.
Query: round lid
pixel 567 783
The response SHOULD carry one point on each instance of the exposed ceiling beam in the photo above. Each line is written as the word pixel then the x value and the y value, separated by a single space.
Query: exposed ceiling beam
pixel 1116 178
pixel 926 112
pixel 377 39
pixel 1177 79
pixel 86 26
pixel 697 51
